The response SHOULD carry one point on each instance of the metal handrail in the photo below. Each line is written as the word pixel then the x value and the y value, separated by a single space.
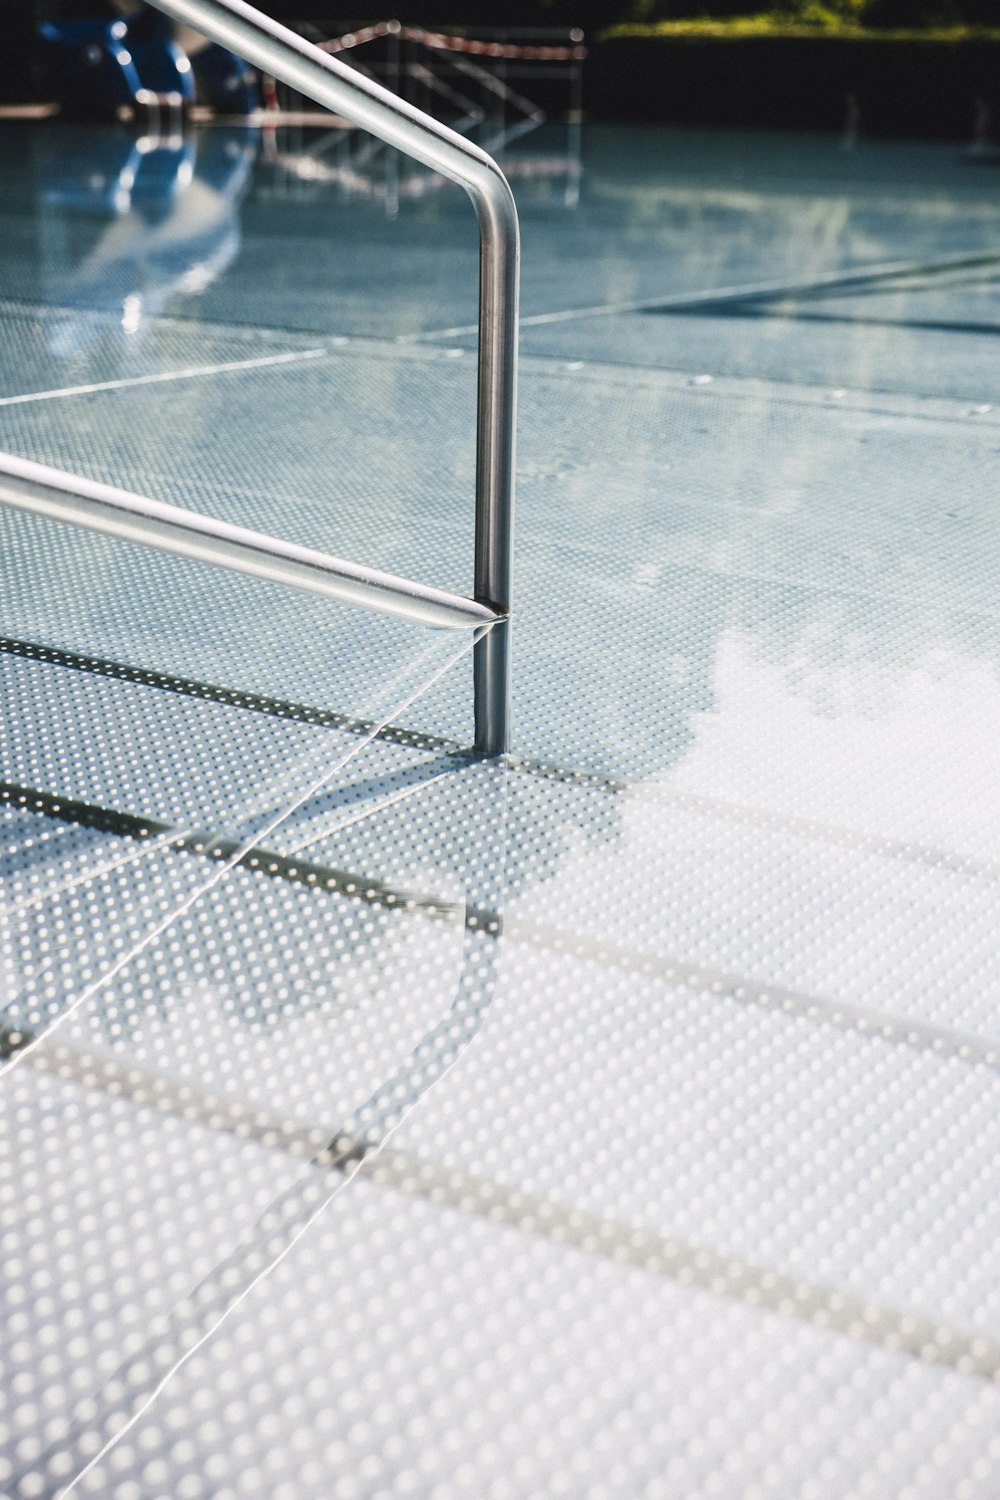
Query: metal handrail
pixel 59 496
pixel 305 67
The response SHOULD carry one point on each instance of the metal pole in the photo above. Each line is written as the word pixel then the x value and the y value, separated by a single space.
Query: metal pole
pixel 305 67
pixel 41 491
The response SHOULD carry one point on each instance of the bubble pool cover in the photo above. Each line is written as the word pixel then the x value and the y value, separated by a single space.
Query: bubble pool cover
pixel 202 1031
pixel 677 1036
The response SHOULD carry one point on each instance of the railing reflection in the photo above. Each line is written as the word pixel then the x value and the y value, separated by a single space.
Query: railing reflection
pixel 465 82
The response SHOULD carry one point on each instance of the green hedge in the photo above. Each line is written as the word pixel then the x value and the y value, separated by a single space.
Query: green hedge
pixel 905 15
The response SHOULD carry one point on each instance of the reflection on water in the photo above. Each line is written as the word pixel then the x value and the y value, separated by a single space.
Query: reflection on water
pixel 700 516
pixel 128 222
pixel 136 226
pixel 609 216
pixel 308 161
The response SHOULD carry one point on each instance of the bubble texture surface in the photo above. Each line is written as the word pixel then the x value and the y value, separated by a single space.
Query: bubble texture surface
pixel 618 1122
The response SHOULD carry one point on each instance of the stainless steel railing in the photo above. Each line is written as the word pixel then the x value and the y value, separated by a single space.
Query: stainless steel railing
pixel 312 72
pixel 58 496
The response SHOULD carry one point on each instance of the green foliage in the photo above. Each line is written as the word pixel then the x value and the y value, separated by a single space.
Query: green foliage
pixel 820 12
pixel 748 18
pixel 739 17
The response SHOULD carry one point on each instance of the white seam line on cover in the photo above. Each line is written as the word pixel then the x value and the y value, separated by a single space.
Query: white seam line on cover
pixel 707 296
pixel 297 1208
pixel 242 848
pixel 189 374
pixel 377 805
pixel 88 875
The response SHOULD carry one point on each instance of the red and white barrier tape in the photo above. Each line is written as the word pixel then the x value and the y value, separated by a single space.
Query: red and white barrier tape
pixel 442 42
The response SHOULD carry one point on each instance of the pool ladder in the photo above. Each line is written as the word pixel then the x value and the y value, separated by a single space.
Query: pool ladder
pixel 88 503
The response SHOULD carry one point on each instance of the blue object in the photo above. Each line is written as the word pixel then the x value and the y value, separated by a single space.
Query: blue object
pixel 104 68
pixel 88 65
pixel 130 221
pixel 164 67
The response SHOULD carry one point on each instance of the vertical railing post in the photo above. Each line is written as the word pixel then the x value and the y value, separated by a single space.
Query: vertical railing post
pixel 495 449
